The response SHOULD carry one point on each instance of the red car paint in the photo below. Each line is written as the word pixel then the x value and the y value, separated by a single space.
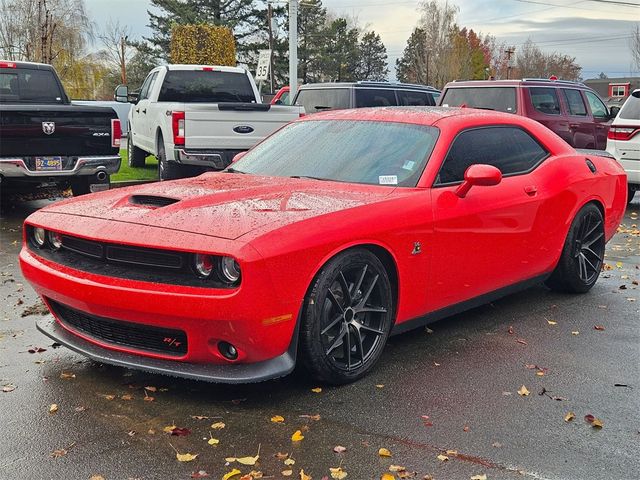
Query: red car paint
pixel 283 230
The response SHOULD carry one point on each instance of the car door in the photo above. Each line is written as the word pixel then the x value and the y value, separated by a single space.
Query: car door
pixel 601 119
pixel 140 116
pixel 582 130
pixel 488 239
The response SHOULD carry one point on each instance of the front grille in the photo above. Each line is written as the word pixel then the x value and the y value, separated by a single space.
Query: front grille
pixel 143 256
pixel 84 247
pixel 126 334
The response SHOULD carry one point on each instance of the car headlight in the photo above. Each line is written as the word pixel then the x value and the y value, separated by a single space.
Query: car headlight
pixel 203 265
pixel 229 269
pixel 55 240
pixel 39 237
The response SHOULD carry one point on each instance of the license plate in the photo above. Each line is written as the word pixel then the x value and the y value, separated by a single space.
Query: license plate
pixel 47 164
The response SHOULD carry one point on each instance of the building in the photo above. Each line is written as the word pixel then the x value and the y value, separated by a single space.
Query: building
pixel 614 91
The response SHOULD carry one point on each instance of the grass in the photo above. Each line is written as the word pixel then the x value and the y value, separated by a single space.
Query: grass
pixel 126 173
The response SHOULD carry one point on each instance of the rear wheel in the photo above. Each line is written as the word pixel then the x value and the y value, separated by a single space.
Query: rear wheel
pixel 630 193
pixel 347 317
pixel 583 253
pixel 166 170
pixel 136 156
pixel 82 185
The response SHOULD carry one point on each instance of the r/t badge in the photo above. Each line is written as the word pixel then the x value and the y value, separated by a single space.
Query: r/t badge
pixel 417 248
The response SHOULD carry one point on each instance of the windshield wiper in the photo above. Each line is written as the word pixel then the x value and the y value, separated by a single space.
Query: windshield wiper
pixel 233 170
pixel 309 176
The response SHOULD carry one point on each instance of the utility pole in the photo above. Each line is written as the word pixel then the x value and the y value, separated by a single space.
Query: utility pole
pixel 123 67
pixel 269 19
pixel 293 47
pixel 509 52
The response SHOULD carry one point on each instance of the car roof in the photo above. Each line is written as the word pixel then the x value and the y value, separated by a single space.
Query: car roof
pixel 190 67
pixel 517 82
pixel 33 65
pixel 369 84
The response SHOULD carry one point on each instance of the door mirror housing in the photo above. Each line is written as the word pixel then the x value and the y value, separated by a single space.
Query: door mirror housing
pixel 613 111
pixel 121 94
pixel 479 175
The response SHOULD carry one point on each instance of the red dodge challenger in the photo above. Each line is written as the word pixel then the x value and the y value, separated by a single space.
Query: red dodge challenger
pixel 339 230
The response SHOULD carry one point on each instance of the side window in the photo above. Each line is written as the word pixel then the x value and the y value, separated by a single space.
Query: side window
pixel 510 149
pixel 598 108
pixel 370 97
pixel 146 86
pixel 319 99
pixel 545 100
pixel 413 98
pixel 575 103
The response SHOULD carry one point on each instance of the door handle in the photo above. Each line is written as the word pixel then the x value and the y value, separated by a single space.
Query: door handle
pixel 531 190
pixel 574 125
pixel 144 111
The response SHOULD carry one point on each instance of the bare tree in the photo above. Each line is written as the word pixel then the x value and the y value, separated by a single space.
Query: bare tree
pixel 117 50
pixel 533 62
pixel 438 22
pixel 635 45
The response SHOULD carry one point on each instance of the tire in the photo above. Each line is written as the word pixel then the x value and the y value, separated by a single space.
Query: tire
pixel 82 185
pixel 582 255
pixel 347 317
pixel 630 193
pixel 166 170
pixel 136 156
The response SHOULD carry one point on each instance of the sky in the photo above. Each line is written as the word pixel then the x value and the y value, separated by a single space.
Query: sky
pixel 595 32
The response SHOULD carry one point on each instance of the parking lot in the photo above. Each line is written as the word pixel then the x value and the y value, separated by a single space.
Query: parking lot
pixel 445 401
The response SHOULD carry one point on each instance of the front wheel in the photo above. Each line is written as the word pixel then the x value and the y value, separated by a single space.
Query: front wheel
pixel 347 317
pixel 583 253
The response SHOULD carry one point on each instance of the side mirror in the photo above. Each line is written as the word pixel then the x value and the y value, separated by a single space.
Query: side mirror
pixel 238 156
pixel 121 94
pixel 479 175
pixel 613 111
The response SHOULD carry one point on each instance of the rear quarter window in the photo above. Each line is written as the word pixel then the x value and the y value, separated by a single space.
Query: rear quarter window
pixel 631 108
pixel 188 86
pixel 319 99
pixel 371 97
pixel 414 98
pixel 502 99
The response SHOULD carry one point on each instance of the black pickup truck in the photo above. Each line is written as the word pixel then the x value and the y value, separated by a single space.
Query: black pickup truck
pixel 46 139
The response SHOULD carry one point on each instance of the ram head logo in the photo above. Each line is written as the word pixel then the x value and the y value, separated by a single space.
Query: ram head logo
pixel 48 127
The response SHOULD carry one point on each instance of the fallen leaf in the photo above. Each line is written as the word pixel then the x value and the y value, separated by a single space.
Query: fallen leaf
pixel 339 449
pixel 521 341
pixel 151 389
pixel 575 332
pixel 277 419
pixel 36 350
pixel 109 397
pixel 379 386
pixel 396 468
pixel 316 390
pixel 496 445
pixel 230 474
pixel 297 436
pixel 595 422
pixel 213 441
pixel 199 474
pixel 281 456
pixel 9 387
pixel 383 452
pixel 442 458
pixel 387 476
pixel 598 327
pixel 523 392
pixel 337 473
pixel 540 373
pixel 428 330
pixel 67 375
pixel 315 417
pixel 187 457
pixel 180 432
pixel 53 408
pixel 510 330
pixel 126 397
pixel 96 477
pixel 169 428
pixel 59 453
pixel 218 426
pixel 289 461
pixel 479 477
pixel 550 322
pixel 287 473
pixel 304 476
pixel 569 416
pixel 148 398
pixel 465 429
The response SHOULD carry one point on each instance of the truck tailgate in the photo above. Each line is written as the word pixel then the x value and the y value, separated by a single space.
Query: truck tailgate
pixel 224 127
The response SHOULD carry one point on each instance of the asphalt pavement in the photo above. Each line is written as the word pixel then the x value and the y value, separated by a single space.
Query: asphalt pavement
pixel 445 401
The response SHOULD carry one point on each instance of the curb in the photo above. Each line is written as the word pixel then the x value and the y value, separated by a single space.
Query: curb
pixel 130 183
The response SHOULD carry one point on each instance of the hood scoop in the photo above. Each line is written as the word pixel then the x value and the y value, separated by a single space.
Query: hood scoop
pixel 152 201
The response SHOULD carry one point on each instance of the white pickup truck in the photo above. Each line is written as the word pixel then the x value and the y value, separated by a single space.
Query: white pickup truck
pixel 198 117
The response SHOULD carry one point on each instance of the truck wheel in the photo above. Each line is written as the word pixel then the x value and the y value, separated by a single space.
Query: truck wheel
pixel 166 170
pixel 136 155
pixel 82 185
pixel 630 193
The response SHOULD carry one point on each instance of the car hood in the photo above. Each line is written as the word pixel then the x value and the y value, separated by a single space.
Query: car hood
pixel 223 205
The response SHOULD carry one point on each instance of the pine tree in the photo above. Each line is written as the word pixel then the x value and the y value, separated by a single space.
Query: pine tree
pixel 372 62
pixel 340 53
pixel 413 65
pixel 312 17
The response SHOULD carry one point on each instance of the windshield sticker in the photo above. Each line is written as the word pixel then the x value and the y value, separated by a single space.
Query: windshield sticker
pixel 408 165
pixel 388 179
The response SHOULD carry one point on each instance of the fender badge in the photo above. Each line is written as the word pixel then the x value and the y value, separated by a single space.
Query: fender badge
pixel 417 248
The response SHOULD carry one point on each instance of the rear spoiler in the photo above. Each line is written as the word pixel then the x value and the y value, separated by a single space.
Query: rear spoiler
pixel 599 153
pixel 261 107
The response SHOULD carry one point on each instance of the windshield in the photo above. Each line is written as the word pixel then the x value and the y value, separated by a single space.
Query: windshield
pixel 502 99
pixel 376 153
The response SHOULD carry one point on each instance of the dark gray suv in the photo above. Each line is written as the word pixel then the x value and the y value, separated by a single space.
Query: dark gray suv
pixel 316 97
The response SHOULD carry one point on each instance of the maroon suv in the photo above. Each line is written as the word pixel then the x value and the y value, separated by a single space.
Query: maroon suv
pixel 571 109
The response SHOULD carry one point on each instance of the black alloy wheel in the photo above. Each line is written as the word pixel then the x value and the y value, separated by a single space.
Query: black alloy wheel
pixel 347 318
pixel 583 253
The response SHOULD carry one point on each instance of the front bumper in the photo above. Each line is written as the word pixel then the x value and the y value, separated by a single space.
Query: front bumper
pixel 237 373
pixel 17 168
